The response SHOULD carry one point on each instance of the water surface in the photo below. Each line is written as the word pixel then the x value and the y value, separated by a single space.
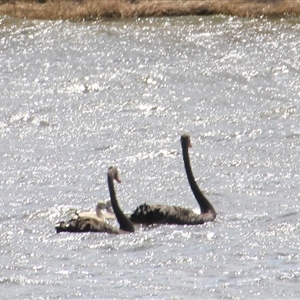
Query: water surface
pixel 78 97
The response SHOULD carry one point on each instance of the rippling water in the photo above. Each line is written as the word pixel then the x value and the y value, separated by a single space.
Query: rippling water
pixel 78 97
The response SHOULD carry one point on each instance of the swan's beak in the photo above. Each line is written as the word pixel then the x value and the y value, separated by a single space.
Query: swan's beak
pixel 118 180
pixel 190 145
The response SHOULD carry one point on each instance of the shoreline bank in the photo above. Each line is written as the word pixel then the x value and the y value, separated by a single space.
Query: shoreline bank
pixel 96 9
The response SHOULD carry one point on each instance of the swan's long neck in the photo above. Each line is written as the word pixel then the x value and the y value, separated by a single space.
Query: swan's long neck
pixel 99 213
pixel 125 224
pixel 204 204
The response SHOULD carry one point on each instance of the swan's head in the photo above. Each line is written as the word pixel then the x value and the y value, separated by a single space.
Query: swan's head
pixel 113 173
pixel 186 140
pixel 103 210
pixel 100 206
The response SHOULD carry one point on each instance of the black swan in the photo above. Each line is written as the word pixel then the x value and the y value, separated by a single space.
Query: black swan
pixel 166 214
pixel 86 224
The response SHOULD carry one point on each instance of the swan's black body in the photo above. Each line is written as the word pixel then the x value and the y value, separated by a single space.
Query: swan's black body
pixel 82 224
pixel 166 214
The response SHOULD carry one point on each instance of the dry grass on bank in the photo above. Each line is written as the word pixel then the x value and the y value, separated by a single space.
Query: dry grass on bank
pixel 95 9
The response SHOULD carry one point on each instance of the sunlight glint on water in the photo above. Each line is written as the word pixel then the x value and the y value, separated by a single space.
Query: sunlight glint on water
pixel 78 97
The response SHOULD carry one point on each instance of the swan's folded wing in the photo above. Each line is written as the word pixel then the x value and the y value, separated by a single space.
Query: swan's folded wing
pixel 85 225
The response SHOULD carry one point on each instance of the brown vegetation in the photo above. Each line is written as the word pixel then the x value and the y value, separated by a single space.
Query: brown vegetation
pixel 95 9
